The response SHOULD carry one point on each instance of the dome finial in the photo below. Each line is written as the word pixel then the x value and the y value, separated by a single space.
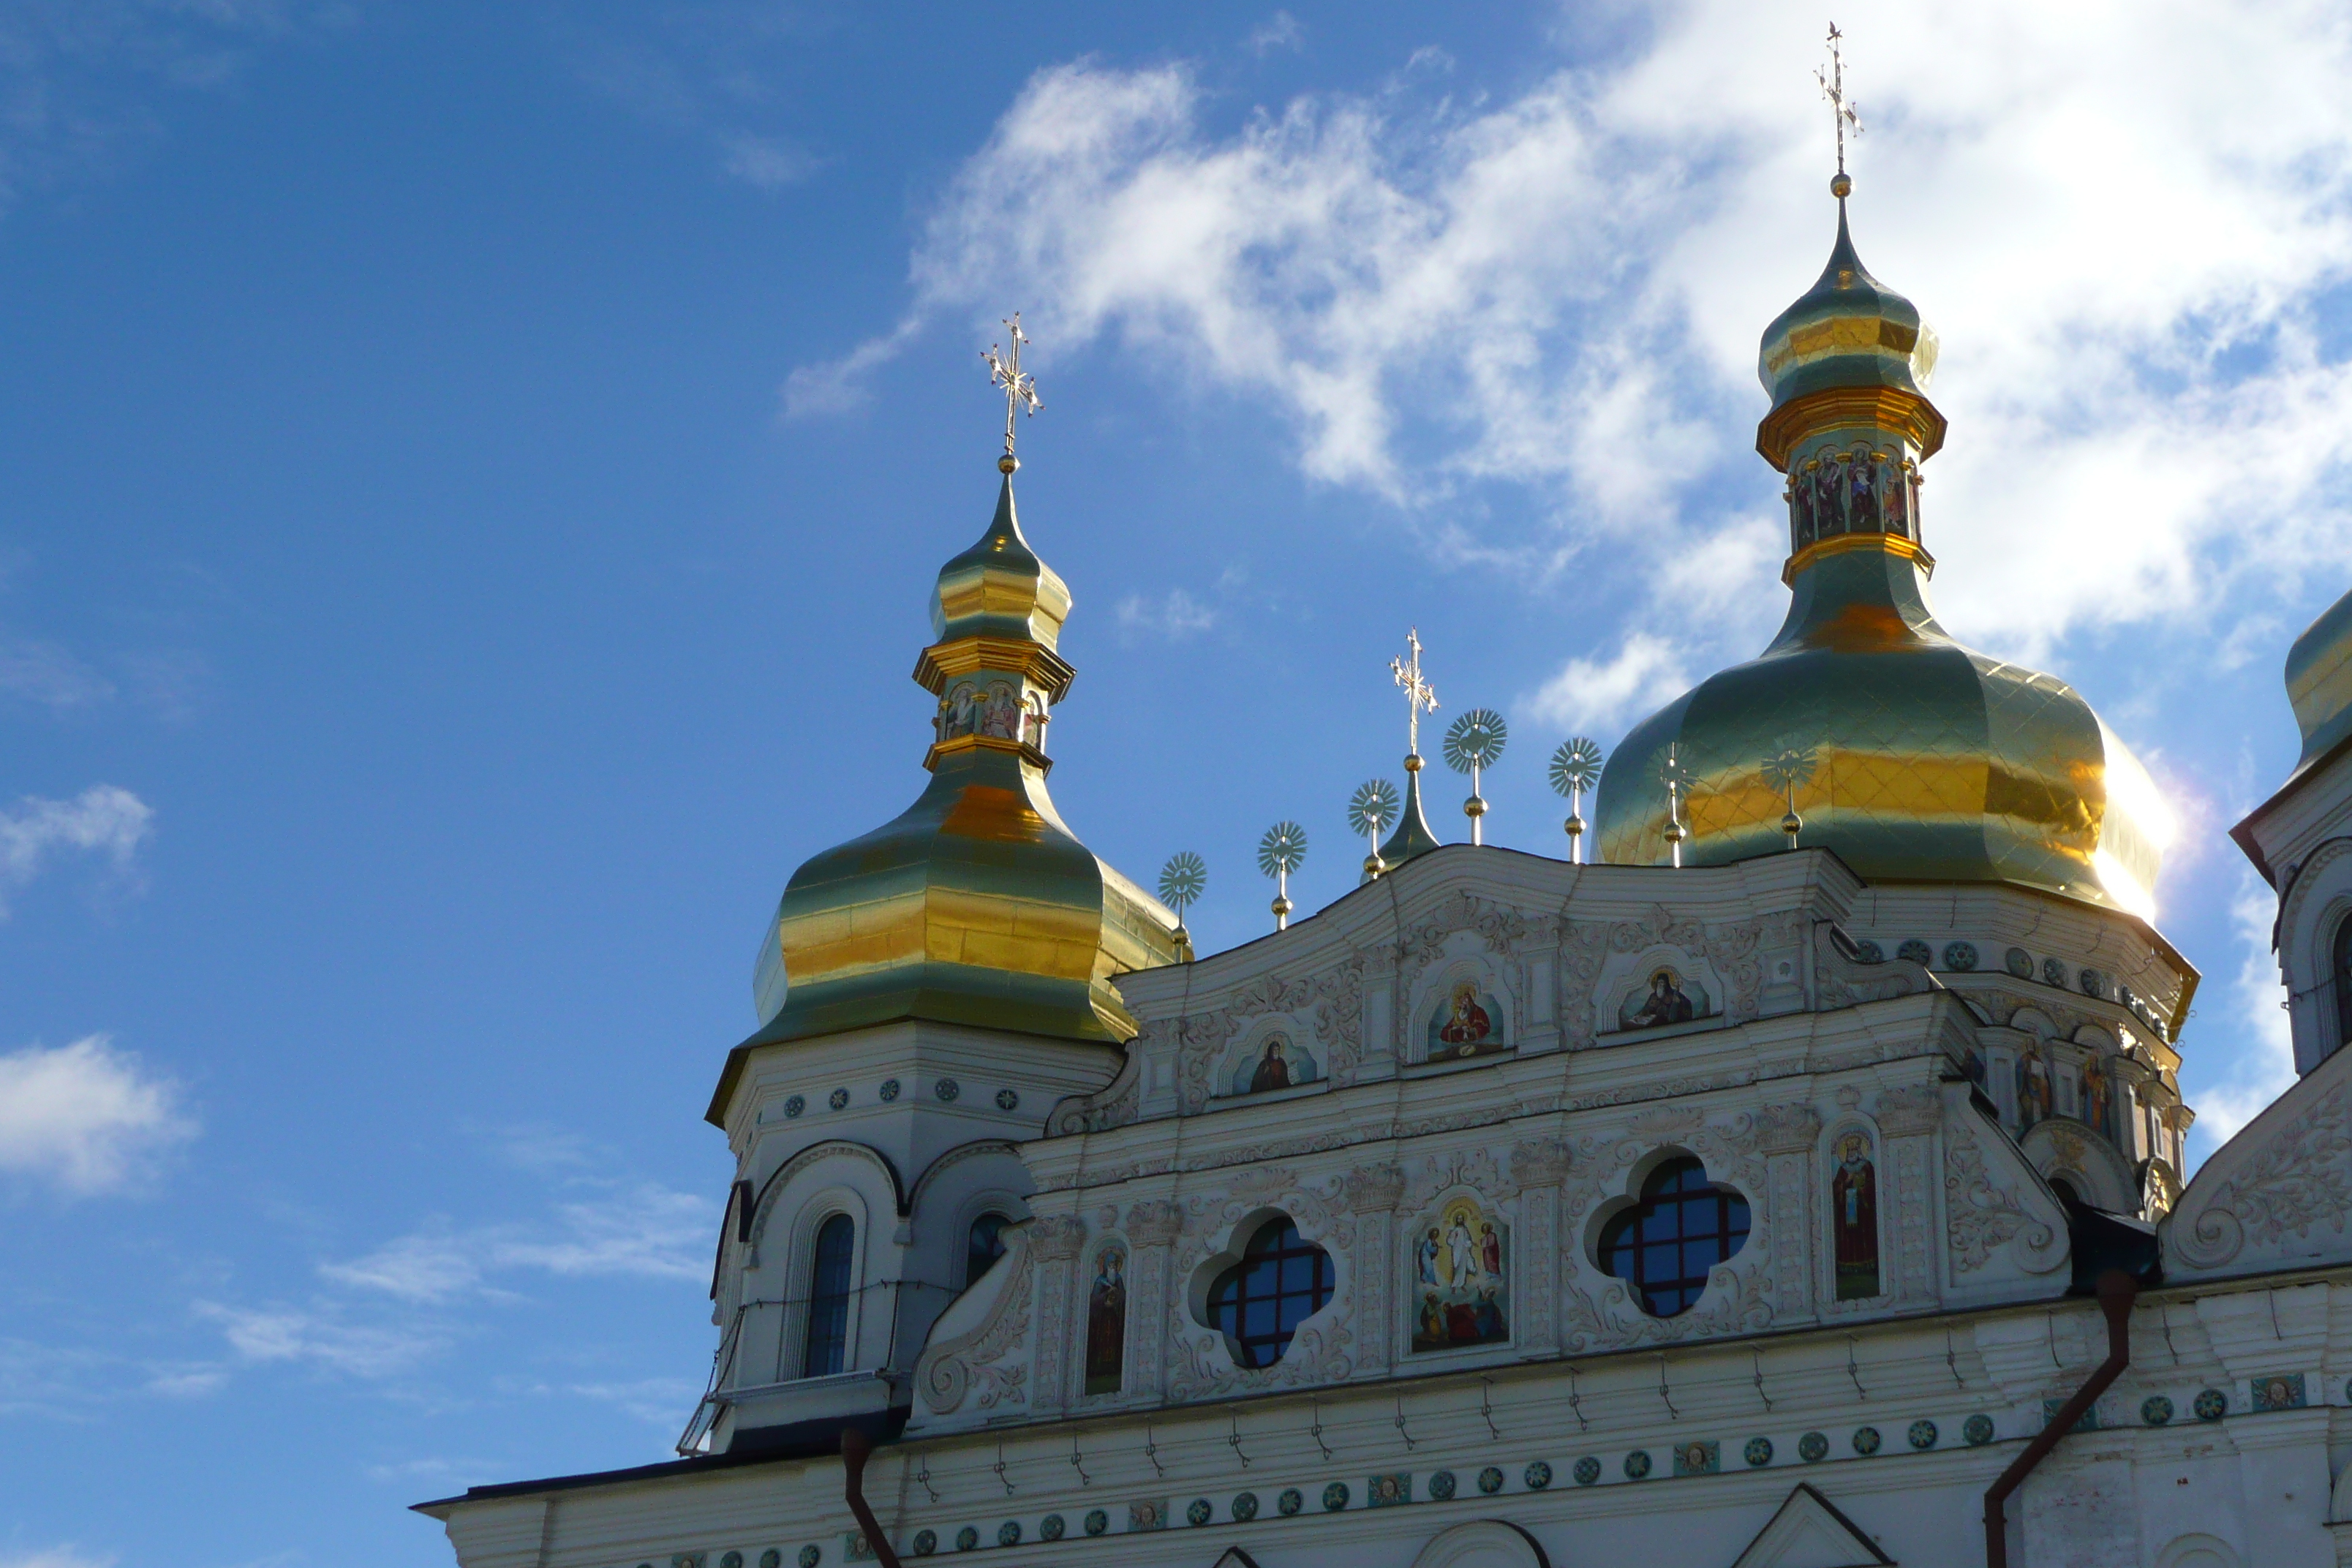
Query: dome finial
pixel 1842 112
pixel 1020 389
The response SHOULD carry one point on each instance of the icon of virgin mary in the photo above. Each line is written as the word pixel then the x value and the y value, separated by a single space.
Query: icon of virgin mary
pixel 1468 1022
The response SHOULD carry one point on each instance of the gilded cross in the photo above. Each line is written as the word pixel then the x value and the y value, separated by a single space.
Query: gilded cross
pixel 1842 113
pixel 1005 374
pixel 1420 697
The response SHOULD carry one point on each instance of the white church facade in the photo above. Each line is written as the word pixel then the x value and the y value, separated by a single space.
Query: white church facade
pixel 1767 1193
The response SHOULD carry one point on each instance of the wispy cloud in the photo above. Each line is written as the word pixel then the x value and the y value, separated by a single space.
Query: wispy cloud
pixel 1280 31
pixel 2264 1055
pixel 648 1231
pixel 1601 693
pixel 49 674
pixel 1173 614
pixel 65 1556
pixel 2128 272
pixel 322 1337
pixel 85 1118
pixel 103 820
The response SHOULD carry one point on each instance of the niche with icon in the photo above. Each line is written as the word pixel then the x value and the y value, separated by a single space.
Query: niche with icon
pixel 1461 1258
pixel 1275 1059
pixel 1465 1020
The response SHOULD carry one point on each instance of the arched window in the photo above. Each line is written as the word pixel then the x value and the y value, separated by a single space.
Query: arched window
pixel 2339 978
pixel 1282 1280
pixel 1663 1246
pixel 982 1246
pixel 829 1284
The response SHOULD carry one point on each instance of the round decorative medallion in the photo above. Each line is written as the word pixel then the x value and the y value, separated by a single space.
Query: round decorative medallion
pixel 1759 1452
pixel 2018 961
pixel 1007 1100
pixel 1197 1512
pixel 926 1542
pixel 771 1558
pixel 1915 952
pixel 946 1090
pixel 1009 1534
pixel 1441 1485
pixel 967 1538
pixel 890 1090
pixel 2053 972
pixel 794 1104
pixel 2094 982
pixel 837 1099
pixel 1050 1528
pixel 1870 950
pixel 2123 995
pixel 1245 1505
pixel 1096 1521
pixel 810 1555
pixel 1812 1447
pixel 1289 1502
pixel 1537 1476
pixel 1922 1435
pixel 2156 1410
pixel 1865 1439
pixel 731 1560
pixel 2211 1405
pixel 1490 1480
pixel 1637 1465
pixel 1335 1496
pixel 1977 1431
pixel 1587 1470
pixel 1960 956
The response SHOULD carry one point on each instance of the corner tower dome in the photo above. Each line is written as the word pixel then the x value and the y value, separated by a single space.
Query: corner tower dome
pixel 1915 758
pixel 977 905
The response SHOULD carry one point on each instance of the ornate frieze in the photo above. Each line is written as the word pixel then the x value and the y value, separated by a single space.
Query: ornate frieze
pixel 1982 1217
pixel 974 1365
pixel 2293 1181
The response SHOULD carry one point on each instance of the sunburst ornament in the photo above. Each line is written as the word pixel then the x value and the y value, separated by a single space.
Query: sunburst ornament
pixel 1181 881
pixel 1789 769
pixel 1473 742
pixel 1575 768
pixel 1279 853
pixel 1674 774
pixel 1370 810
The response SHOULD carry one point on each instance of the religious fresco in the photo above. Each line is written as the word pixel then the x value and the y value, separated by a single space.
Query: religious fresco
pixel 2098 1098
pixel 1860 491
pixel 1461 1263
pixel 2034 1103
pixel 1276 1062
pixel 1670 997
pixel 1854 1217
pixel 996 708
pixel 1107 1321
pixel 1467 1023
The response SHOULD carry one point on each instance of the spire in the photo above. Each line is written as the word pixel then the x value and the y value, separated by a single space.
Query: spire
pixel 1413 836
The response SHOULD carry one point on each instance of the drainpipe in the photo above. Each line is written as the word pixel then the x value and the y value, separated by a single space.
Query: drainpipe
pixel 856 1447
pixel 2116 1289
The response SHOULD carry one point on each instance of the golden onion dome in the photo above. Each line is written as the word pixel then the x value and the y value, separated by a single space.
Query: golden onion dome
pixel 977 905
pixel 1916 759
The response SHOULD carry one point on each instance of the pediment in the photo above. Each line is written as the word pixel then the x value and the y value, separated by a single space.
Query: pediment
pixel 1235 1557
pixel 1810 1532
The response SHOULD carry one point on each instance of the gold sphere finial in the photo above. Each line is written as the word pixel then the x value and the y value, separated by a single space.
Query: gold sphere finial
pixel 1413 761
pixel 1841 186
pixel 1007 463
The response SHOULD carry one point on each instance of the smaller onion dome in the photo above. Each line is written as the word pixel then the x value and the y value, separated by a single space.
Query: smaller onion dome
pixel 2319 681
pixel 1850 345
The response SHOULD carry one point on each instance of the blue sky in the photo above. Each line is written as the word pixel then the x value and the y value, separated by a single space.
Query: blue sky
pixel 473 474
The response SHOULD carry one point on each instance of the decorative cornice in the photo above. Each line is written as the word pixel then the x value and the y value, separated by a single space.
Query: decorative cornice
pixel 1907 413
pixel 1839 543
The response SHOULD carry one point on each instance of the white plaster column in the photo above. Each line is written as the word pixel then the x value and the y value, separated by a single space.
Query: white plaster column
pixel 1788 1136
pixel 1908 1118
pixel 1538 1166
pixel 1372 1195
pixel 1152 1226
pixel 1053 1242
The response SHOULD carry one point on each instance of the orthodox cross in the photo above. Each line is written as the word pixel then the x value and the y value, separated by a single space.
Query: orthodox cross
pixel 1420 697
pixel 1004 373
pixel 1842 113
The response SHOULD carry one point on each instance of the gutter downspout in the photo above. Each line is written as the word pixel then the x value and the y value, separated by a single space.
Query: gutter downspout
pixel 2116 1289
pixel 856 1447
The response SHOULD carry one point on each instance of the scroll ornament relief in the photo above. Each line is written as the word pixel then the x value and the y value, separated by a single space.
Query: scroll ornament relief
pixel 1117 1102
pixel 1372 1189
pixel 2297 1179
pixel 969 1362
pixel 1501 928
pixel 1335 998
pixel 1155 1221
pixel 1983 1218
pixel 1842 981
pixel 1539 1162
pixel 1731 949
pixel 1476 1168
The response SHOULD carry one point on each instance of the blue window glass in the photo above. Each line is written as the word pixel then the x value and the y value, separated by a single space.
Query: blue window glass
pixel 1281 1281
pixel 829 1285
pixel 2340 978
pixel 1664 1244
pixel 983 1245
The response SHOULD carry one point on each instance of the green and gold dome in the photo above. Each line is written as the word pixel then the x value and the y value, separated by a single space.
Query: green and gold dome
pixel 977 905
pixel 1916 759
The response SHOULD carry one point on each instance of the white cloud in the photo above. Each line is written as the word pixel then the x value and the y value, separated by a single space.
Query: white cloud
pixel 1280 31
pixel 102 819
pixel 321 1337
pixel 649 1232
pixel 1600 693
pixel 768 161
pixel 1173 614
pixel 86 1118
pixel 45 673
pixel 68 1556
pixel 2127 268
pixel 2265 1063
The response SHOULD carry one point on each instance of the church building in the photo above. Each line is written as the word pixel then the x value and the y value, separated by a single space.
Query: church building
pixel 1794 1183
